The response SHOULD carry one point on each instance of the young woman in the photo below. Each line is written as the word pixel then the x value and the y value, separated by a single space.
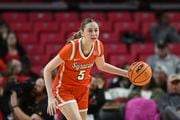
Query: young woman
pixel 75 60
pixel 13 49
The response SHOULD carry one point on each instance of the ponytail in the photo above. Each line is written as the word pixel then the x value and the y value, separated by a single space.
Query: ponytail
pixel 75 35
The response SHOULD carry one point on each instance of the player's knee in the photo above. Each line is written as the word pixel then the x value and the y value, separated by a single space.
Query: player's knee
pixel 75 117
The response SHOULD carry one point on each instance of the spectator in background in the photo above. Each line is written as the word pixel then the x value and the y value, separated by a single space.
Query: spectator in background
pixel 2 65
pixel 97 95
pixel 13 49
pixel 149 91
pixel 160 76
pixel 144 97
pixel 120 81
pixel 141 109
pixel 35 109
pixel 163 32
pixel 4 30
pixel 14 69
pixel 163 57
pixel 1 94
pixel 178 69
pixel 169 103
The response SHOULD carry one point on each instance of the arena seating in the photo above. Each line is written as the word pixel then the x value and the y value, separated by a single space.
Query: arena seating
pixel 44 33
pixel 119 16
pixel 138 48
pixel 40 16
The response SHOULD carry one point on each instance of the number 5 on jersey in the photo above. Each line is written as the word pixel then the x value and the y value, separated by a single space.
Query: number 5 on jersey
pixel 81 75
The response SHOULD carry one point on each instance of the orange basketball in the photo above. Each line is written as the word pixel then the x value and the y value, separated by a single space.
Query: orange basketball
pixel 139 73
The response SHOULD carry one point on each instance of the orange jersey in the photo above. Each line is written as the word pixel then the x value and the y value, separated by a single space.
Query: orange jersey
pixel 76 69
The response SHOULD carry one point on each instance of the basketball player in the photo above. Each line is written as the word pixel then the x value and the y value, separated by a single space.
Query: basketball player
pixel 75 60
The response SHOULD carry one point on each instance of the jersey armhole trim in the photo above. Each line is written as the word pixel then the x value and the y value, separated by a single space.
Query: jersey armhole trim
pixel 99 47
pixel 73 50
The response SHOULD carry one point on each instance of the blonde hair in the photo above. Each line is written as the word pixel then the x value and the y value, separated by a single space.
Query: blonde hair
pixel 77 34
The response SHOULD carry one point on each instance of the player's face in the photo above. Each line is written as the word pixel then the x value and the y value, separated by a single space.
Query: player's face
pixel 91 31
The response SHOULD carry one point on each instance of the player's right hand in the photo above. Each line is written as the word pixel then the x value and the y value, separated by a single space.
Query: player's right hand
pixel 52 105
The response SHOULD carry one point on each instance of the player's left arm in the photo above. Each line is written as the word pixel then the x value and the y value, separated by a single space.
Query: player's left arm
pixel 106 67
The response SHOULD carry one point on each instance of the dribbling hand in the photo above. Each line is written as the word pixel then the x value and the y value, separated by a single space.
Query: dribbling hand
pixel 52 105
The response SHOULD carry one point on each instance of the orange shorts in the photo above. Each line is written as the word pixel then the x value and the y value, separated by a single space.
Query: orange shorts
pixel 67 94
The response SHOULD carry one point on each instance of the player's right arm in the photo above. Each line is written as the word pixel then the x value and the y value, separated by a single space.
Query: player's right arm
pixel 106 67
pixel 52 103
pixel 63 55
pixel 53 64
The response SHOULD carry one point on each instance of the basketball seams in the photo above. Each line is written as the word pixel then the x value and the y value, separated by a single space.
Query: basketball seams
pixel 135 68
pixel 142 81
pixel 140 74
pixel 130 69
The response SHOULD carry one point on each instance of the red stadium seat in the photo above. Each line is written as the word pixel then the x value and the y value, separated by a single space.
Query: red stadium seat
pixel 39 59
pixel 40 16
pixel 144 16
pixel 27 38
pixel 15 16
pixel 33 49
pixel 46 27
pixel 121 59
pixel 94 70
pixel 121 27
pixel 37 69
pixel 105 26
pixel 109 37
pixel 146 27
pixel 176 25
pixel 1 116
pixel 138 49
pixel 21 26
pixel 114 49
pixel 174 16
pixel 53 49
pixel 99 16
pixel 174 48
pixel 69 27
pixel 55 38
pixel 119 16
pixel 143 57
pixel 66 16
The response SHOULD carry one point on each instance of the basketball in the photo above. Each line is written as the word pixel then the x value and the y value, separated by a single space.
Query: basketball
pixel 139 73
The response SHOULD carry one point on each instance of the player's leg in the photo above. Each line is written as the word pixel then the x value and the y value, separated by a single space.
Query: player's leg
pixel 71 111
pixel 83 115
pixel 83 102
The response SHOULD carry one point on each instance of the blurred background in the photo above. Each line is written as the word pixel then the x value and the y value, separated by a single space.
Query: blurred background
pixel 33 31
